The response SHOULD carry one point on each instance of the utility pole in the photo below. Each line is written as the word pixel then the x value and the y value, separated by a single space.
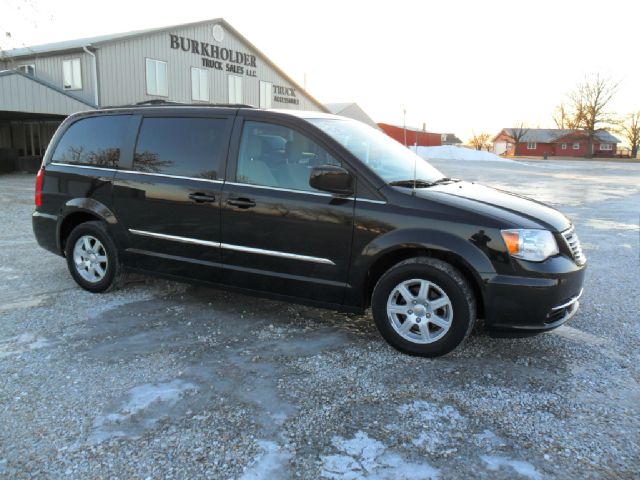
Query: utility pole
pixel 404 124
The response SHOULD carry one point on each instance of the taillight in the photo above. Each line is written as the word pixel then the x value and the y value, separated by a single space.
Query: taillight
pixel 39 182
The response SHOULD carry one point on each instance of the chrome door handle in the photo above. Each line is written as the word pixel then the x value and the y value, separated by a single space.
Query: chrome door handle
pixel 241 202
pixel 202 197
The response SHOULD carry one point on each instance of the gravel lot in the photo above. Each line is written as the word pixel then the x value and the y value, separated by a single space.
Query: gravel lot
pixel 166 380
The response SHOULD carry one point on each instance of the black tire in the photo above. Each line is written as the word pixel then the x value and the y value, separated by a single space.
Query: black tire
pixel 113 272
pixel 450 281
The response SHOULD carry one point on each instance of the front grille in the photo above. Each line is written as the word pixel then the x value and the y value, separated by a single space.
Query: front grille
pixel 573 243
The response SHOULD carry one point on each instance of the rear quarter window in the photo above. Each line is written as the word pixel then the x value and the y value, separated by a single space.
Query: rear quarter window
pixel 186 147
pixel 93 141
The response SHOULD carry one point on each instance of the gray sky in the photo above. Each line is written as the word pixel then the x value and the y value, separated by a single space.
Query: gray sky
pixel 458 66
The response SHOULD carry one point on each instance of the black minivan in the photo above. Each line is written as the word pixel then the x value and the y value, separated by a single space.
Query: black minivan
pixel 306 206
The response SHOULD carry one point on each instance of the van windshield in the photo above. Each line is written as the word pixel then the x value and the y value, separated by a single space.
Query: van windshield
pixel 392 161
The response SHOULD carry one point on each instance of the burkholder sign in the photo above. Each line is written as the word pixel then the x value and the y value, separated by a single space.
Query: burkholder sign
pixel 214 56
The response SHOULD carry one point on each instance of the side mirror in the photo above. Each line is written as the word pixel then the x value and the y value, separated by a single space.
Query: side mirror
pixel 332 179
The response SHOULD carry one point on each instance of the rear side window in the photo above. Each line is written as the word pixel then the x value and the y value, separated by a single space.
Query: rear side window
pixel 186 147
pixel 93 141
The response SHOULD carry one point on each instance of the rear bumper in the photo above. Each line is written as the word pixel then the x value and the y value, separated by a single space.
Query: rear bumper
pixel 522 306
pixel 45 227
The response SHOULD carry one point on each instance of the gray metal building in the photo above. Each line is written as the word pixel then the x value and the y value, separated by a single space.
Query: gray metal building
pixel 203 62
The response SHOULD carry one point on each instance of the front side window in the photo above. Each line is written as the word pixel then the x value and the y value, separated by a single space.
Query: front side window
pixel 29 69
pixel 564 146
pixel 199 84
pixel 235 89
pixel 277 156
pixel 93 141
pixel 605 146
pixel 531 145
pixel 266 94
pixel 71 74
pixel 156 71
pixel 389 159
pixel 186 147
pixel 576 146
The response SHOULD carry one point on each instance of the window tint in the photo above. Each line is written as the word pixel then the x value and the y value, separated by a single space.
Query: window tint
pixel 277 156
pixel 188 147
pixel 93 141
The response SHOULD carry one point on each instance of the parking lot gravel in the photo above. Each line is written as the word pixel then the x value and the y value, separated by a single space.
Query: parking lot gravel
pixel 166 380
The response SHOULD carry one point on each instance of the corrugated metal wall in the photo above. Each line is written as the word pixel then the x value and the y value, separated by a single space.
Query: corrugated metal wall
pixel 121 70
pixel 49 69
pixel 21 94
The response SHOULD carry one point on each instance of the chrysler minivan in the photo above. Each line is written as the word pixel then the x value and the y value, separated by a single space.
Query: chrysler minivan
pixel 304 206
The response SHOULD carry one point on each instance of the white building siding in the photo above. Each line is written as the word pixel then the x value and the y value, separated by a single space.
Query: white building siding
pixel 49 69
pixel 121 69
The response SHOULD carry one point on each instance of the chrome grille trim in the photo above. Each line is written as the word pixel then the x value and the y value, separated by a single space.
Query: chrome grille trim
pixel 573 242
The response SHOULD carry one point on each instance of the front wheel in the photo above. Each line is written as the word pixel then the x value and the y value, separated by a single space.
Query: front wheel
pixel 92 257
pixel 423 306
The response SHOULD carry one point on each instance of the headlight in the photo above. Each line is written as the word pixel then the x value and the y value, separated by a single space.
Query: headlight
pixel 532 245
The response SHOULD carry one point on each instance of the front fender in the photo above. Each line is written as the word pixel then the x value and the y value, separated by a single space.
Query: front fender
pixel 419 238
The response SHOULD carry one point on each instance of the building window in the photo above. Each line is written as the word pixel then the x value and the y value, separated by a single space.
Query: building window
pixel 576 146
pixel 606 146
pixel 71 74
pixel 29 69
pixel 156 77
pixel 235 89
pixel 266 94
pixel 564 146
pixel 199 84
pixel 531 145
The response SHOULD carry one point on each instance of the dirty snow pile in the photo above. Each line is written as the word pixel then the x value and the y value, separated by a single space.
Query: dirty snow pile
pixel 449 152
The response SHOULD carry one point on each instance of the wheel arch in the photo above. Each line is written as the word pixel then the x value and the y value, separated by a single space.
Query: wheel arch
pixel 77 211
pixel 401 245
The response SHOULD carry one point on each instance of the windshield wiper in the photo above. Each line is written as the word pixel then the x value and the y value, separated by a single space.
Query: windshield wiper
pixel 445 180
pixel 421 183
pixel 409 183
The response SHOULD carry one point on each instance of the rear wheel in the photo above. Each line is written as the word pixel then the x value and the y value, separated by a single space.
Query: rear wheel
pixel 423 306
pixel 92 257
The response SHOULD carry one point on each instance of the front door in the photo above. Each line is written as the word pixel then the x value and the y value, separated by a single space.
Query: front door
pixel 279 235
pixel 169 201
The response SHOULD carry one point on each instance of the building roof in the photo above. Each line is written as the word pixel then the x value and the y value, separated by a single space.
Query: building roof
pixel 550 135
pixel 20 92
pixel 351 110
pixel 80 43
pixel 450 138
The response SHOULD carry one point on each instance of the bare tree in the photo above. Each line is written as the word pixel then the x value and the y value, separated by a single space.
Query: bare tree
pixel 516 134
pixel 480 141
pixel 630 129
pixel 589 103
pixel 565 119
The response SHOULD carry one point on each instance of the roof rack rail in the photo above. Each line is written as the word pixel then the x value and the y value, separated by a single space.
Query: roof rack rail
pixel 160 103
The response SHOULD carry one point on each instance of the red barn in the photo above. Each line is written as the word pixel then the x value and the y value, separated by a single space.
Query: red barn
pixel 421 138
pixel 554 142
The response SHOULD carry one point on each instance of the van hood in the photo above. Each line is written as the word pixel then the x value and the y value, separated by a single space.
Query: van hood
pixel 515 209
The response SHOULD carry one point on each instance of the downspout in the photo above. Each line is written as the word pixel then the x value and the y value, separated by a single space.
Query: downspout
pixel 95 76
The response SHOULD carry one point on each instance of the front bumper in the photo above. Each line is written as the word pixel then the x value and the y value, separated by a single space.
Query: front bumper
pixel 522 306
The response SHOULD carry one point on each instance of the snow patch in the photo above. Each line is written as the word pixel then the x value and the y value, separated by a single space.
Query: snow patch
pixel 430 411
pixel 449 152
pixel 268 464
pixel 22 343
pixel 520 466
pixel 364 457
pixel 141 398
pixel 601 224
